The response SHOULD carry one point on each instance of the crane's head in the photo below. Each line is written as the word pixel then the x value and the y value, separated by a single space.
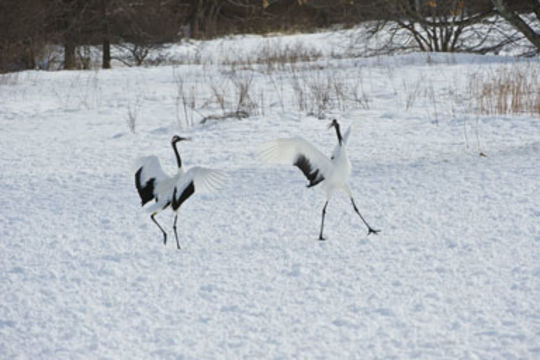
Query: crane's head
pixel 334 123
pixel 177 138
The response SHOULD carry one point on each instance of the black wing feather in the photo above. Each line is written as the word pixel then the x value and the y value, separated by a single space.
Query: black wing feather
pixel 188 191
pixel 312 174
pixel 146 190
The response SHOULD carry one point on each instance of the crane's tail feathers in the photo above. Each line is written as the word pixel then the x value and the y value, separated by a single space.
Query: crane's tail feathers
pixel 156 207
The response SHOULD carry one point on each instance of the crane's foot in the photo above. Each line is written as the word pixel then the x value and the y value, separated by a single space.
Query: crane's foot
pixel 373 231
pixel 321 238
pixel 164 239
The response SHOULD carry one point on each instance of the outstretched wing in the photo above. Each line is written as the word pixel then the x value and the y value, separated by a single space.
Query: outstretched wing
pixel 197 179
pixel 344 140
pixel 300 153
pixel 147 177
pixel 346 136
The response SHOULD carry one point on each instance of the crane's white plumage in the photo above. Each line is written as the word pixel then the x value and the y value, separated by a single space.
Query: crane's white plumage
pixel 203 180
pixel 297 151
pixel 287 151
pixel 332 173
pixel 153 184
pixel 339 148
pixel 150 169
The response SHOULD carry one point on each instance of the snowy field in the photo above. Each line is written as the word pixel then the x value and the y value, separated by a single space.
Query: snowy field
pixel 454 274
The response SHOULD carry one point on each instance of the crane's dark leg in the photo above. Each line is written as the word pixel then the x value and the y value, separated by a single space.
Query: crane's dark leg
pixel 175 233
pixel 370 229
pixel 160 228
pixel 322 221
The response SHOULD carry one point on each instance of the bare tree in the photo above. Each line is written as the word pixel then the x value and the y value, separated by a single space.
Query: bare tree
pixel 71 13
pixel 105 33
pixel 513 18
pixel 22 24
pixel 28 26
pixel 145 25
pixel 434 25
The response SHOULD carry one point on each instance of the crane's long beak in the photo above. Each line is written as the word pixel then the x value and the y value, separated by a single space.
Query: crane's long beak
pixel 185 139
pixel 331 125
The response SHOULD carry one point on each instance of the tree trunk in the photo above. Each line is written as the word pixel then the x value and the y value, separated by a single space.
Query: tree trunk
pixel 68 31
pixel 194 19
pixel 106 51
pixel 516 21
pixel 106 61
pixel 535 8
pixel 418 7
pixel 69 55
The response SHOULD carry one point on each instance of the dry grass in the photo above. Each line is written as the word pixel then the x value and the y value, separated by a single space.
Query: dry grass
pixel 280 56
pixel 511 89
pixel 244 93
pixel 185 101
pixel 319 93
pixel 275 56
pixel 133 111
pixel 231 95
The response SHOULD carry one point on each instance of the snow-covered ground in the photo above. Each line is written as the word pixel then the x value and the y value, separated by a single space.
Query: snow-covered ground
pixel 454 274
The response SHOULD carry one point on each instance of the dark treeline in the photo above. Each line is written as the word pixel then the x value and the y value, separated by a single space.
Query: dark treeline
pixel 27 27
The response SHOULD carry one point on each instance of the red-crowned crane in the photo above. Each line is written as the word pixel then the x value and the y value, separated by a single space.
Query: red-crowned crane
pixel 171 191
pixel 332 174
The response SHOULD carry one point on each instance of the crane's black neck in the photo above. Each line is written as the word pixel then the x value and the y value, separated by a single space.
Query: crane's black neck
pixel 178 159
pixel 338 133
